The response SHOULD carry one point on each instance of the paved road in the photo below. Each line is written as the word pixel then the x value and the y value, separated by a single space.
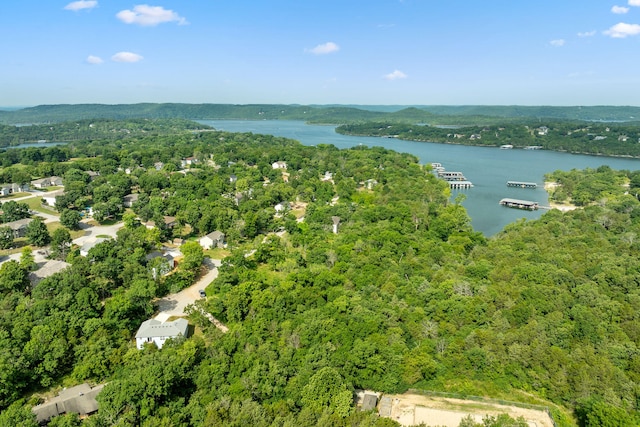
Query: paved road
pixel 174 304
pixel 91 232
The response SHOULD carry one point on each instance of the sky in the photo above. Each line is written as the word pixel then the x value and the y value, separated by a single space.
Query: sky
pixel 368 52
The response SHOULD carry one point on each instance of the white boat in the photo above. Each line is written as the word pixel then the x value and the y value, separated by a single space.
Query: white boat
pixel 506 147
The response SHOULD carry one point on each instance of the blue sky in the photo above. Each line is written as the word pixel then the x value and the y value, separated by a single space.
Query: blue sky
pixel 394 52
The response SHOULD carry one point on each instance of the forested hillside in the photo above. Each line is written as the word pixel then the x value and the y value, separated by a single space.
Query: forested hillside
pixel 574 137
pixel 329 114
pixel 401 293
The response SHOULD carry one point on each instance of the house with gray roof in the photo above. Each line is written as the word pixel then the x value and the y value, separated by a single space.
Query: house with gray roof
pixel 49 268
pixel 80 399
pixel 18 227
pixel 154 331
pixel 215 239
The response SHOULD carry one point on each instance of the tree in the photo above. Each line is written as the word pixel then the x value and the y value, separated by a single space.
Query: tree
pixel 18 415
pixel 193 256
pixel 60 243
pixel 37 233
pixel 13 277
pixel 327 390
pixel 6 238
pixel 27 261
pixel 70 218
pixel 13 211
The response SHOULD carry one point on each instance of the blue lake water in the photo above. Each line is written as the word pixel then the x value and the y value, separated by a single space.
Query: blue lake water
pixel 488 168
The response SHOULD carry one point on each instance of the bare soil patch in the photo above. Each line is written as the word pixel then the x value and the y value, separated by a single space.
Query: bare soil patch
pixel 412 409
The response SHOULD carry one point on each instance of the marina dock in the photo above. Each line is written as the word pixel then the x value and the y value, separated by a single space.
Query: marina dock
pixel 456 180
pixel 522 184
pixel 519 204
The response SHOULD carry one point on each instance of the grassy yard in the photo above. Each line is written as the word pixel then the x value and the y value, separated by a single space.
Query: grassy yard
pixel 35 203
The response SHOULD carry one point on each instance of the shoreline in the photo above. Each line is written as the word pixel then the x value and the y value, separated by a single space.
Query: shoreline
pixel 562 207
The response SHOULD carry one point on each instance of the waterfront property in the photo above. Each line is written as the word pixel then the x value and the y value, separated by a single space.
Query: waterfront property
pixel 519 204
pixel 522 184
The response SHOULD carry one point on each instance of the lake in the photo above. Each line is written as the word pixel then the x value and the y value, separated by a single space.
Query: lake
pixel 488 168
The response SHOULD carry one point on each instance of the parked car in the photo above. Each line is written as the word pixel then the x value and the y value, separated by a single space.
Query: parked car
pixel 202 293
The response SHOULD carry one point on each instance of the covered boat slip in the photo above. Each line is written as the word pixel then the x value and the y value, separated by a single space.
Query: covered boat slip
pixel 522 184
pixel 519 204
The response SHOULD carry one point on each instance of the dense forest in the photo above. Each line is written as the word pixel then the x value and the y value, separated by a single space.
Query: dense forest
pixel 574 137
pixel 403 293
pixel 328 114
pixel 88 130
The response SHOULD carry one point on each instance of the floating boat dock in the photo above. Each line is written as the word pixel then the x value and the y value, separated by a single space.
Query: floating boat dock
pixel 519 204
pixel 451 176
pixel 522 184
pixel 459 185
pixel 456 180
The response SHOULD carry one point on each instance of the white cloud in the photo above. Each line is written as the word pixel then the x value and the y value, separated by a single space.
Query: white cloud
pixel 91 59
pixel 619 10
pixel 81 4
pixel 622 30
pixel 557 43
pixel 126 57
pixel 587 34
pixel 395 75
pixel 149 16
pixel 323 49
pixel 634 2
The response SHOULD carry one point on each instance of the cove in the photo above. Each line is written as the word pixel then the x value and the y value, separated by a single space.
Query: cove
pixel 489 168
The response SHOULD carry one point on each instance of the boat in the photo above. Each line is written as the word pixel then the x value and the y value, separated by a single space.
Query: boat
pixel 506 147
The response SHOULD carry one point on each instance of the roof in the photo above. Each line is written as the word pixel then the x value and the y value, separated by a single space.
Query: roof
pixel 80 399
pixel 17 225
pixel 132 197
pixel 50 268
pixel 155 328
pixel 215 235
pixel 369 402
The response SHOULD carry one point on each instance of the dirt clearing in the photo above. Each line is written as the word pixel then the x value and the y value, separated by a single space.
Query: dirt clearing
pixel 413 409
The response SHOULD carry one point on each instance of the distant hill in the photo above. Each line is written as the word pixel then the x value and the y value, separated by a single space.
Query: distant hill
pixel 333 114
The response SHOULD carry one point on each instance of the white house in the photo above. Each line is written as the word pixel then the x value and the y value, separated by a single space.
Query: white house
pixel 50 198
pixel 215 239
pixel 154 331
pixel 279 165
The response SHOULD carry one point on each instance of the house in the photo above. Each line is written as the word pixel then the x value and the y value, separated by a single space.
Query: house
pixel 92 174
pixel 188 161
pixel 80 399
pixel 18 227
pixel 154 331
pixel 50 198
pixel 169 222
pixel 158 165
pixel 169 260
pixel 129 200
pixel 279 165
pixel 215 239
pixel 281 208
pixel 370 183
pixel 233 178
pixel 6 189
pixel 47 182
pixel 50 268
